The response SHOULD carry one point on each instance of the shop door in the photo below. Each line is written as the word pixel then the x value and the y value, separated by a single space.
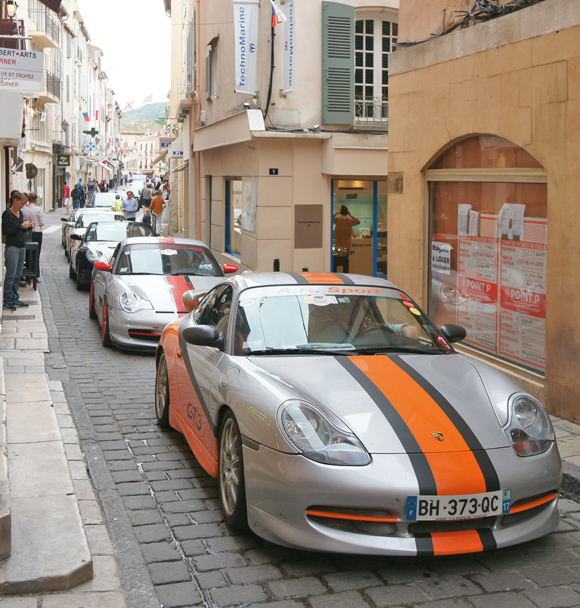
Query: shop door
pixel 359 227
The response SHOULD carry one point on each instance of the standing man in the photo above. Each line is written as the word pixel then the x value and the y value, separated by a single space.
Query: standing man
pixel 129 206
pixel 115 181
pixel 13 227
pixel 78 195
pixel 157 207
pixel 146 195
pixel 66 198
pixel 91 189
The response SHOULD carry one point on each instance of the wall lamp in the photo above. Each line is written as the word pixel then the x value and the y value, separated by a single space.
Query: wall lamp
pixel 11 7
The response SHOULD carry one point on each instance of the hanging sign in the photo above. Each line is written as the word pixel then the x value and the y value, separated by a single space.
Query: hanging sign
pixel 21 71
pixel 246 25
pixel 289 46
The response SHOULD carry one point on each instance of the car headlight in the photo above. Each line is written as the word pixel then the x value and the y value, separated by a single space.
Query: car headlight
pixel 94 255
pixel 529 428
pixel 311 432
pixel 129 301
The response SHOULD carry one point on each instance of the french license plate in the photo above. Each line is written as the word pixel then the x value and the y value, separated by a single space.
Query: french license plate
pixel 422 508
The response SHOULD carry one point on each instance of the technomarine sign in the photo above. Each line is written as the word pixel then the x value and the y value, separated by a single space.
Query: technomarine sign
pixel 246 22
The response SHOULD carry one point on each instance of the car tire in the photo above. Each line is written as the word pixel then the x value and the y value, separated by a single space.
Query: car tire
pixel 105 333
pixel 71 272
pixel 232 487
pixel 92 312
pixel 80 284
pixel 162 392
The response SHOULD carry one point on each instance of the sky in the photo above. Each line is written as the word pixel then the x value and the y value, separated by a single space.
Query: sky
pixel 135 37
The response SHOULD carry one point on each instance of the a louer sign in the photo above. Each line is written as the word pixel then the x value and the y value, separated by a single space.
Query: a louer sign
pixel 21 71
pixel 246 21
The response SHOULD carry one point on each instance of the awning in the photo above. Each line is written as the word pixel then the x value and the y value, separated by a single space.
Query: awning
pixel 105 167
pixel 159 158
pixel 181 167
pixel 52 4
pixel 176 147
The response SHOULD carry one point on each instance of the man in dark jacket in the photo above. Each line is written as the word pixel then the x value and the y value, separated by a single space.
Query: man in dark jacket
pixel 13 227
pixel 78 196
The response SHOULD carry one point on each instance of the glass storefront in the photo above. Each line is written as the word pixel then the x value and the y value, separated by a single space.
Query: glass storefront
pixel 488 233
pixel 359 224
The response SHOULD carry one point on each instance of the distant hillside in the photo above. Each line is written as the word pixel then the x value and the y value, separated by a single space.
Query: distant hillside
pixel 152 111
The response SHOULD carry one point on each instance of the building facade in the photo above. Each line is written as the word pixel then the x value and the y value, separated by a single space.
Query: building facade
pixel 483 155
pixel 266 169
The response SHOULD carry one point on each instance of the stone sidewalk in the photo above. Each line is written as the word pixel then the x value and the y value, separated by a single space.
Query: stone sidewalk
pixel 59 539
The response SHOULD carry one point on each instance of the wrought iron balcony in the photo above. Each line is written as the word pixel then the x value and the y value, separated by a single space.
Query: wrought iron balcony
pixel 44 28
pixel 371 111
pixel 50 88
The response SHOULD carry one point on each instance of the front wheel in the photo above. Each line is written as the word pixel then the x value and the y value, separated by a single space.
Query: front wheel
pixel 232 487
pixel 106 334
pixel 162 393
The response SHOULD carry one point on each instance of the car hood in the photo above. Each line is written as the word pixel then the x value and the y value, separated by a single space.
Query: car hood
pixel 166 292
pixel 436 403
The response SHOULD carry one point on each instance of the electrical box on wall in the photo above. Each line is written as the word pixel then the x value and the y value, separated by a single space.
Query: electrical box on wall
pixel 202 117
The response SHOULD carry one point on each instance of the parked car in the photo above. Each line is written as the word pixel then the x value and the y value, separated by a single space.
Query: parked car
pixel 337 417
pixel 70 220
pixel 105 199
pixel 98 244
pixel 140 290
pixel 80 226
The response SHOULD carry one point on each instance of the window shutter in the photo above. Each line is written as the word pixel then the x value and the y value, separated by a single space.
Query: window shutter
pixel 191 54
pixel 337 64
pixel 208 75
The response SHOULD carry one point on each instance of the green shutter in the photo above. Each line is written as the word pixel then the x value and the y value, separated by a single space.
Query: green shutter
pixel 208 75
pixel 337 64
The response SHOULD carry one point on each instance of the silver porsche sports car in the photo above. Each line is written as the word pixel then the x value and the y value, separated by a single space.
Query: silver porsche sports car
pixel 337 417
pixel 140 290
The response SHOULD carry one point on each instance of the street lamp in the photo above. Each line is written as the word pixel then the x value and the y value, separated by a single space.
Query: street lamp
pixel 11 7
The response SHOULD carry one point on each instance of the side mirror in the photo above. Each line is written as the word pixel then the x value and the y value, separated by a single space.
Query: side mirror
pixel 76 237
pixel 64 219
pixel 454 333
pixel 103 266
pixel 190 299
pixel 202 335
pixel 229 268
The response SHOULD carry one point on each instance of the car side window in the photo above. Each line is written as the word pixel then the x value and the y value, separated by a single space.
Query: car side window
pixel 115 254
pixel 215 309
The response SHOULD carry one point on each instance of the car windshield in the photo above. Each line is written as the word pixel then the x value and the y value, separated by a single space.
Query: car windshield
pixel 167 258
pixel 116 231
pixel 333 320
pixel 88 218
pixel 104 199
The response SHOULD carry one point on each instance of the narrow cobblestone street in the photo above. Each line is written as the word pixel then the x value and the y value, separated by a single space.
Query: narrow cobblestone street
pixel 164 518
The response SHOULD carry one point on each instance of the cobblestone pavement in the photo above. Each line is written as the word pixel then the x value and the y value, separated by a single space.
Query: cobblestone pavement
pixel 167 529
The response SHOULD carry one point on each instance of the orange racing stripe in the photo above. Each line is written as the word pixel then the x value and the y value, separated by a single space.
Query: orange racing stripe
pixel 452 543
pixel 452 463
pixel 322 278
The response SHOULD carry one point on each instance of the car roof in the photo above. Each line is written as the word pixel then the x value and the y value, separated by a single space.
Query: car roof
pixel 163 240
pixel 265 279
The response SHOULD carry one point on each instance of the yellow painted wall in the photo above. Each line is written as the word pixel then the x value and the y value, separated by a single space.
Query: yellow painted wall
pixel 527 92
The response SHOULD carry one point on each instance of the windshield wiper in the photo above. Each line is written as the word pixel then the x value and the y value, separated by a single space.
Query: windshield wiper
pixel 373 350
pixel 301 350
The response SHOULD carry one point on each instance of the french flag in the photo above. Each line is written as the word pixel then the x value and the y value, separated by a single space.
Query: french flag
pixel 277 15
pixel 86 116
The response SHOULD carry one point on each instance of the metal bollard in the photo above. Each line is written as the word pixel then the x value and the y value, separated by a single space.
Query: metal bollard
pixel 276 265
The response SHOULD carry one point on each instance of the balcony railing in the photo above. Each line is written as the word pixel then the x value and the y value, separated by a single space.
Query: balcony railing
pixel 51 84
pixel 8 27
pixel 43 21
pixel 371 111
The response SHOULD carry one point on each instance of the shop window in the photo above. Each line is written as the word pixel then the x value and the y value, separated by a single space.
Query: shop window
pixel 234 217
pixel 359 216
pixel 488 230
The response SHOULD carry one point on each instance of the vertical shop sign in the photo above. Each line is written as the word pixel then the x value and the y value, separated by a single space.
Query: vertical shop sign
pixel 289 48
pixel 440 257
pixel 246 25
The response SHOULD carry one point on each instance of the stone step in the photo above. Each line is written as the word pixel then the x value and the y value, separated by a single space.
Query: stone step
pixel 49 548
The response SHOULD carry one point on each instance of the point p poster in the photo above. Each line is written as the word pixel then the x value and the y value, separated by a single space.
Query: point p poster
pixel 501 283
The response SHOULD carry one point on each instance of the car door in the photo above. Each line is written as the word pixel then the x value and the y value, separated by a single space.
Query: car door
pixel 203 366
pixel 100 280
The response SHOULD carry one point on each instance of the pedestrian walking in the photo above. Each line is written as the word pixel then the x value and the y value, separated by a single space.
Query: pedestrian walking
pixel 78 196
pixel 146 195
pixel 13 227
pixel 115 181
pixel 33 213
pixel 91 189
pixel 343 224
pixel 66 198
pixel 129 206
pixel 157 208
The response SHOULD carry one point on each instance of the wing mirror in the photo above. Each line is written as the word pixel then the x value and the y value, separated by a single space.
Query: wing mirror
pixel 202 335
pixel 229 268
pixel 103 266
pixel 454 333
pixel 190 299
pixel 76 237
